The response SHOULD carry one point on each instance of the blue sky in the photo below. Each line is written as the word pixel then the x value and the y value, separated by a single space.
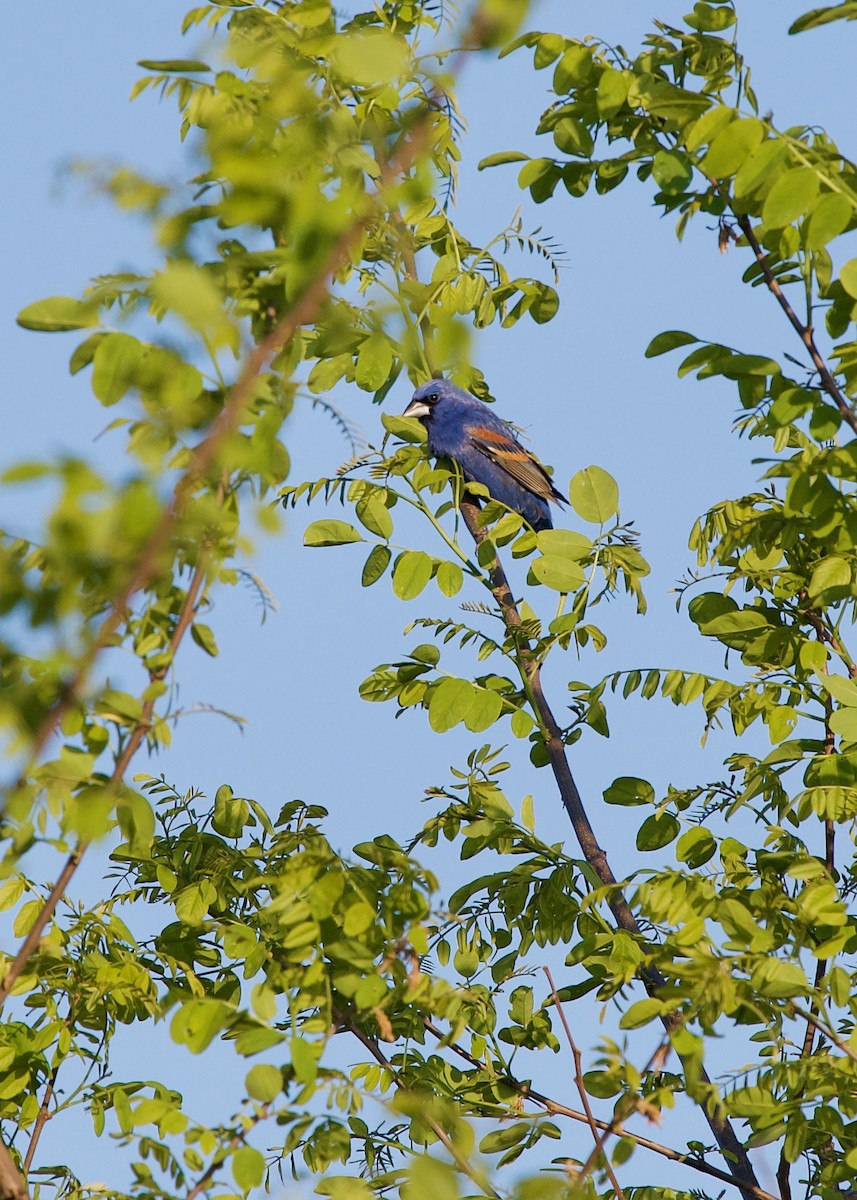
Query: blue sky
pixel 580 385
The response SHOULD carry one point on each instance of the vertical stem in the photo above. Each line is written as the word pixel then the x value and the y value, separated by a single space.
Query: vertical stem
pixel 584 1099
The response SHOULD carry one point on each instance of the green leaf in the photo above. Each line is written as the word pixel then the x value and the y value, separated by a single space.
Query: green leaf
pixel 411 573
pixel 376 564
pixel 844 723
pixel 137 822
pixel 11 892
pixel 779 980
pixel 822 16
pixel 56 314
pixel 369 57
pixel 449 703
pixel 264 1082
pixel 612 92
pixel 594 495
pixel 191 293
pixel 230 814
pixel 657 831
pixel 848 277
pixel 830 217
pixel 115 363
pixel 484 710
pixel 732 147
pixel 198 1022
pixel 641 1013
pixel 330 533
pixel 628 791
pixel 703 131
pixel 558 573
pixel 449 578
pixel 696 846
pixel 374 363
pixel 710 18
pixel 790 197
pixel 409 429
pixel 304 1061
pixel 184 65
pixel 426 652
pixel 193 902
pixel 572 137
pixel 670 340
pixel 204 637
pixel 503 1138
pixel 374 515
pixel 522 723
pixel 501 158
pixel 671 171
pixel 843 690
pixel 573 68
pixel 831 579
pixel 248 1167
pixel 563 543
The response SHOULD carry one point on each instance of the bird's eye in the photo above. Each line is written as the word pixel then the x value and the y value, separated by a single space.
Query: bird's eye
pixel 433 398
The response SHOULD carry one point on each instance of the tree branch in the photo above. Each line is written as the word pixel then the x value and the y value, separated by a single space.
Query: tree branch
pixel 584 1099
pixel 803 331
pixel 555 1108
pixel 345 1020
pixel 12 1185
pixel 135 740
pixel 733 1150
pixel 238 1140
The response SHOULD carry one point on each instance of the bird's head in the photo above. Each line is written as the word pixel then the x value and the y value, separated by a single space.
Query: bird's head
pixel 429 395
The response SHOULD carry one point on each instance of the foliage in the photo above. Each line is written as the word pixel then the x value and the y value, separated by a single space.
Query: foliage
pixel 318 245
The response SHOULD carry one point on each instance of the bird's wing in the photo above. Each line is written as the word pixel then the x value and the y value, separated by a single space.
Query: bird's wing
pixel 502 449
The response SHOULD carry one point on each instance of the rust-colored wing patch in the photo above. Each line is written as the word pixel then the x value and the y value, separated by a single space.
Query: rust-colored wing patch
pixel 502 449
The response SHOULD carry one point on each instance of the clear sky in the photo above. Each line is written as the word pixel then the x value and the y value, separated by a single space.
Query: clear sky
pixel 580 385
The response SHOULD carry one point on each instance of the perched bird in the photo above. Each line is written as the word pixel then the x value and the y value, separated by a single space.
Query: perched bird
pixel 464 429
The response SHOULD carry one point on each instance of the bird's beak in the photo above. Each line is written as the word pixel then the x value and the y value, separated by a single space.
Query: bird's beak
pixel 417 408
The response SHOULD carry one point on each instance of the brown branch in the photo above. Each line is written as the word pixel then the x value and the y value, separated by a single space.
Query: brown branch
pixel 803 331
pixel 238 1140
pixel 135 740
pixel 347 1022
pixel 41 1120
pixel 828 1033
pixel 12 1185
pixel 555 1108
pixel 733 1150
pixel 584 1099
pixel 824 635
pixel 202 458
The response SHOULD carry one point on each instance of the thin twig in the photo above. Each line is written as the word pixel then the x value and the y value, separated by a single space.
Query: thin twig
pixel 238 1140
pixel 813 1020
pixel 345 1020
pixel 803 331
pixel 584 1098
pixel 555 1108
pixel 41 1120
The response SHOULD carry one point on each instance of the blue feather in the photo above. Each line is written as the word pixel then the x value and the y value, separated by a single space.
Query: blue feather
pixel 464 429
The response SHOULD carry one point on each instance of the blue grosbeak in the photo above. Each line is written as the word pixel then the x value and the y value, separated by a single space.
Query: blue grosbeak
pixel 464 429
